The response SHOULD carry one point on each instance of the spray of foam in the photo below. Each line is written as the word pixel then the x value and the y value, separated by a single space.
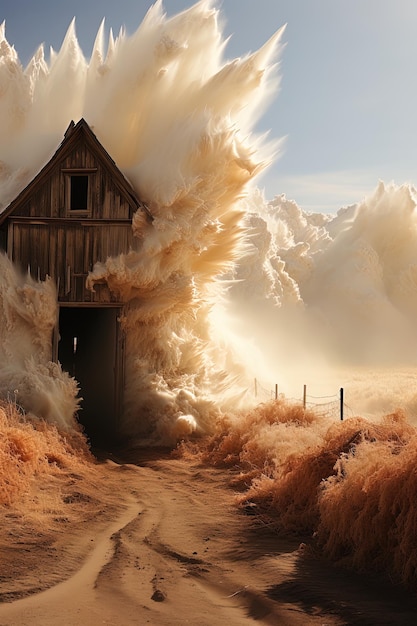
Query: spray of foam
pixel 333 298
pixel 28 316
pixel 178 120
pixel 223 286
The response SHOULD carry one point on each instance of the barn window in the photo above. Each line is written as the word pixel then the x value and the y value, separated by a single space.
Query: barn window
pixel 78 193
pixel 79 190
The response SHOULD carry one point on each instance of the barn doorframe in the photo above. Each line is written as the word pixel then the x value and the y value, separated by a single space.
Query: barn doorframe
pixel 90 347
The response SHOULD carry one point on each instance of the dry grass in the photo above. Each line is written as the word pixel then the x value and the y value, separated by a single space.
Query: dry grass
pixel 30 448
pixel 368 509
pixel 352 485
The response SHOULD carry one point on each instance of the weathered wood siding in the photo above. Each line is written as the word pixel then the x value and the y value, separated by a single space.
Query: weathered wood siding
pixel 66 251
pixel 49 200
pixel 48 238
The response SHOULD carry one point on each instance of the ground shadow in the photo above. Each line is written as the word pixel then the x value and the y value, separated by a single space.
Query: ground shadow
pixel 122 454
pixel 319 588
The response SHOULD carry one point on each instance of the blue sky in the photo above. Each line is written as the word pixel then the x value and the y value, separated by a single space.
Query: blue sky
pixel 348 98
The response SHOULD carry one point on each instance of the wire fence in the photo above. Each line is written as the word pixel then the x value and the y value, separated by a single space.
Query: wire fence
pixel 333 406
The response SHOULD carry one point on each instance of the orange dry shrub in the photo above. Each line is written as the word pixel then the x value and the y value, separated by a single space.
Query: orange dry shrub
pixel 291 497
pixel 368 509
pixel 233 432
pixel 30 447
pixel 353 484
pixel 257 442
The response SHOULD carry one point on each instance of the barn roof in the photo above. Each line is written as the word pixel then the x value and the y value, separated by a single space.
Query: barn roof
pixel 72 135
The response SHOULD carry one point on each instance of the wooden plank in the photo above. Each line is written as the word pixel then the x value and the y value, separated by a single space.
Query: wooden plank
pixel 10 241
pixel 52 253
pixel 44 252
pixel 71 221
pixel 55 193
pixel 78 169
pixel 60 259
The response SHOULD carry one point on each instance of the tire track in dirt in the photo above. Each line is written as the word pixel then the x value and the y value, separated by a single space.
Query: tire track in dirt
pixel 38 608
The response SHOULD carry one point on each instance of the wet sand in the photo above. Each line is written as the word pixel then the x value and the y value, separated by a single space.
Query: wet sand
pixel 153 539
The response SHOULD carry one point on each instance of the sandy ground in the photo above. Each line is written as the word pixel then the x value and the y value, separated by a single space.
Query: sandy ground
pixel 153 539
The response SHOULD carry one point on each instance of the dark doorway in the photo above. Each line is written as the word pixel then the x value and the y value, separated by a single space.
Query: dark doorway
pixel 88 349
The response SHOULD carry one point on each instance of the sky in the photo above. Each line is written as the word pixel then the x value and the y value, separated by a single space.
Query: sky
pixel 347 102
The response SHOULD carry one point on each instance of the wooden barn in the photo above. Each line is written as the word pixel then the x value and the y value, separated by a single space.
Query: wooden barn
pixel 78 211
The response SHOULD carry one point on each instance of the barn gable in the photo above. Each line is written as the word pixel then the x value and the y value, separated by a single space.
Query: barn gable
pixel 81 169
pixel 77 211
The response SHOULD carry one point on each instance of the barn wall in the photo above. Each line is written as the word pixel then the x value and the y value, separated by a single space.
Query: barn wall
pixel 66 251
pixel 49 238
pixel 49 198
pixel 44 232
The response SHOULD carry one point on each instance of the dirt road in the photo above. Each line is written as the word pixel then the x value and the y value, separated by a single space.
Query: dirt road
pixel 158 540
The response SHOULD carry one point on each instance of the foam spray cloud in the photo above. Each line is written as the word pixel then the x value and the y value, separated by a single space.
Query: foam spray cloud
pixel 223 286
pixel 178 120
pixel 333 297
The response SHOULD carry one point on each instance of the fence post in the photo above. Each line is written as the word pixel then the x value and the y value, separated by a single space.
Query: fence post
pixel 256 387
pixel 341 404
pixel 276 391
pixel 305 396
